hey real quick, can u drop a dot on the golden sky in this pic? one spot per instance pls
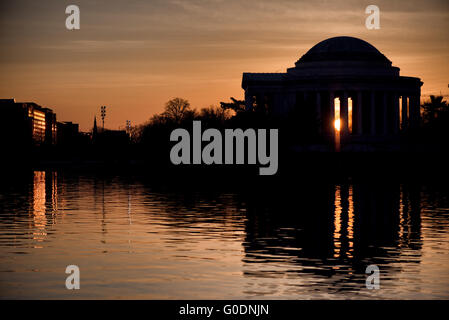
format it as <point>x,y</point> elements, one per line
<point>134,55</point>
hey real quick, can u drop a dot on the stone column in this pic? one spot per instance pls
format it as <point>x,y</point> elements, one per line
<point>385,113</point>
<point>418,109</point>
<point>359,114</point>
<point>404,113</point>
<point>418,104</point>
<point>260,101</point>
<point>344,113</point>
<point>411,112</point>
<point>396,123</point>
<point>277,107</point>
<point>291,101</point>
<point>305,97</point>
<point>318,112</point>
<point>373,113</point>
<point>414,111</point>
<point>249,100</point>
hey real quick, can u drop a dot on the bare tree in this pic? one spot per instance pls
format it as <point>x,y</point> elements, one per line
<point>176,109</point>
<point>214,113</point>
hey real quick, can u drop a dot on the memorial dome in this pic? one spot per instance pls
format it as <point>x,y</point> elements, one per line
<point>344,49</point>
<point>342,57</point>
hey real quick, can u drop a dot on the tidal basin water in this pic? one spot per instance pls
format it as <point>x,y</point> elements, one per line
<point>141,239</point>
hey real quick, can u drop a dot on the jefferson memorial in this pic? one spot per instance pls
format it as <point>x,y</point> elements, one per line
<point>350,87</point>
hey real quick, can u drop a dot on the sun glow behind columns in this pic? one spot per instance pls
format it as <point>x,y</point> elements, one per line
<point>337,121</point>
<point>337,124</point>
<point>350,115</point>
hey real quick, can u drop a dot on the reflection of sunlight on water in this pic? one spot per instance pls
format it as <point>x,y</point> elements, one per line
<point>404,219</point>
<point>39,205</point>
<point>340,215</point>
<point>350,223</point>
<point>402,211</point>
<point>54,194</point>
<point>44,187</point>
<point>337,221</point>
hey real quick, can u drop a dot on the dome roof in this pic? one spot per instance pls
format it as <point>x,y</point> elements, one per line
<point>344,49</point>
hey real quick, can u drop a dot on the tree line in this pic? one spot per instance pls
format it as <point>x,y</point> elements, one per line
<point>299,127</point>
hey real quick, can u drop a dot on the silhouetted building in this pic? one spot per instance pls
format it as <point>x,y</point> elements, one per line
<point>50,126</point>
<point>344,79</point>
<point>114,138</point>
<point>27,123</point>
<point>68,133</point>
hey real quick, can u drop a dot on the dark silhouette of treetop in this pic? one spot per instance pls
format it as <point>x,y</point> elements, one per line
<point>176,109</point>
<point>435,111</point>
<point>236,105</point>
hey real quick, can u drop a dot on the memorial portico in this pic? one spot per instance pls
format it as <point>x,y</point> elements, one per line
<point>345,79</point>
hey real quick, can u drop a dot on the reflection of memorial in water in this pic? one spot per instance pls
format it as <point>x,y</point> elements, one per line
<point>333,230</point>
<point>307,240</point>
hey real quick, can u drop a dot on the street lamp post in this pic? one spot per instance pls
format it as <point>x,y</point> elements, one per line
<point>128,127</point>
<point>103,114</point>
